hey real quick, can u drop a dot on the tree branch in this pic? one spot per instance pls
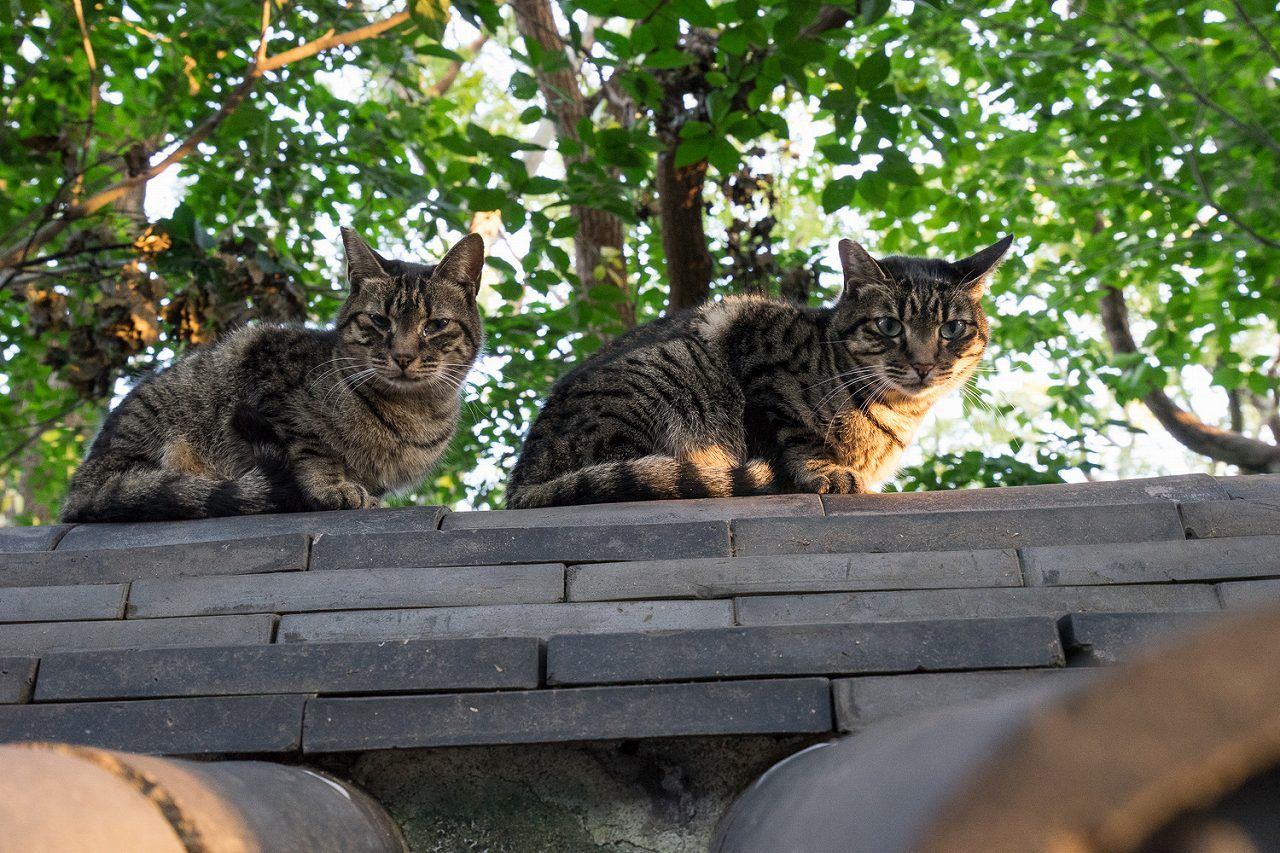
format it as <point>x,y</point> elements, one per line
<point>1188,85</point>
<point>598,245</point>
<point>17,253</point>
<point>1252,456</point>
<point>1253,27</point>
<point>93,96</point>
<point>446,81</point>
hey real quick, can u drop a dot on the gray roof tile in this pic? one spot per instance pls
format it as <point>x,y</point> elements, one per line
<point>353,589</point>
<point>859,702</point>
<point>27,539</point>
<point>779,706</point>
<point>1231,518</point>
<point>58,568</point>
<point>42,637</point>
<point>17,675</point>
<point>844,649</point>
<point>1146,562</point>
<point>523,545</point>
<point>418,666</point>
<point>1108,638</point>
<point>156,533</point>
<point>727,576</point>
<point>970,603</point>
<point>1186,487</point>
<point>640,512</point>
<point>1249,593</point>
<point>520,620</point>
<point>168,726</point>
<point>1255,487</point>
<point>52,603</point>
<point>958,530</point>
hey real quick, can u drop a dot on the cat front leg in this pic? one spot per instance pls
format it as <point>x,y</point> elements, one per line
<point>327,486</point>
<point>825,477</point>
<point>813,469</point>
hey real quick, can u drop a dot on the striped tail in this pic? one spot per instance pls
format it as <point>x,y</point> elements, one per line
<point>648,478</point>
<point>158,494</point>
<point>101,491</point>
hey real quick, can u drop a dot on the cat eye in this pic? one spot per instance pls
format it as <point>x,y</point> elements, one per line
<point>379,322</point>
<point>889,327</point>
<point>433,326</point>
<point>952,329</point>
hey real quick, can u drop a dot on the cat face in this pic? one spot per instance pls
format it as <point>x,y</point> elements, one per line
<point>410,327</point>
<point>914,325</point>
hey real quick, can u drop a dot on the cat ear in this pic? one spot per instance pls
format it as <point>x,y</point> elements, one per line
<point>858,265</point>
<point>362,262</point>
<point>464,263</point>
<point>976,269</point>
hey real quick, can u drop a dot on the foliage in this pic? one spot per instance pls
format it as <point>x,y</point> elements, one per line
<point>1126,145</point>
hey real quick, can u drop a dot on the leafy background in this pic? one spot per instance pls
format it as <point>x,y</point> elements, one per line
<point>173,169</point>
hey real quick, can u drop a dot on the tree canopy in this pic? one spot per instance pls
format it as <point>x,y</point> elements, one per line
<point>173,169</point>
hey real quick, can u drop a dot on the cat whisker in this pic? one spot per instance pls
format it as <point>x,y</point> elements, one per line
<point>868,369</point>
<point>330,372</point>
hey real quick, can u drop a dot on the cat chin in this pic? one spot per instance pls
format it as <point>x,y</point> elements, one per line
<point>917,392</point>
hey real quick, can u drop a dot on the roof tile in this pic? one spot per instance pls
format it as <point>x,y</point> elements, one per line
<point>17,675</point>
<point>155,533</point>
<point>293,592</point>
<point>640,512</point>
<point>42,637</point>
<point>844,649</point>
<point>859,702</point>
<point>1185,487</point>
<point>727,576</point>
<point>958,530</point>
<point>524,545</point>
<point>1146,562</point>
<point>1108,638</point>
<point>52,603</point>
<point>164,726</point>
<point>520,620</point>
<point>970,603</point>
<point>1231,518</point>
<point>779,706</point>
<point>418,666</point>
<point>56,568</point>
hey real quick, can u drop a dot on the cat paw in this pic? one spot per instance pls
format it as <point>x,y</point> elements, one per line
<point>347,496</point>
<point>823,478</point>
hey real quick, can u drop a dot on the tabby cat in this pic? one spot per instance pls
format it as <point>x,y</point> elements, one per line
<point>282,418</point>
<point>754,396</point>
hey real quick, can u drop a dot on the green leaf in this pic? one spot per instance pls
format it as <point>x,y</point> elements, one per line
<point>693,151</point>
<point>667,59</point>
<point>873,71</point>
<point>733,41</point>
<point>488,199</point>
<point>873,10</point>
<point>837,194</point>
<point>430,16</point>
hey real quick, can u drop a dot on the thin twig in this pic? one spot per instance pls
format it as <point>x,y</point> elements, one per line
<point>93,98</point>
<point>1262,38</point>
<point>51,229</point>
<point>38,430</point>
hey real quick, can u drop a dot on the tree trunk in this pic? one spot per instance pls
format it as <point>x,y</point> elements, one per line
<point>684,242</point>
<point>599,258</point>
<point>1249,454</point>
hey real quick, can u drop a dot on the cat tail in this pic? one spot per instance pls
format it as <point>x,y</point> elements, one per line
<point>645,479</point>
<point>101,491</point>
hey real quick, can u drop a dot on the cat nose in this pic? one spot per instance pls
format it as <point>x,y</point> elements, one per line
<point>404,359</point>
<point>922,370</point>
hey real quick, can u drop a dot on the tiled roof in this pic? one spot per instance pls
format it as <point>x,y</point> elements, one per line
<point>335,632</point>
